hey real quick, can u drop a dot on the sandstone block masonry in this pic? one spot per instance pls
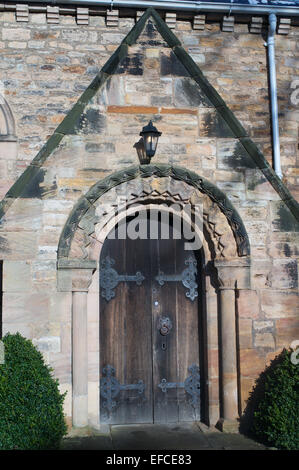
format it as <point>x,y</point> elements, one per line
<point>43,79</point>
<point>45,67</point>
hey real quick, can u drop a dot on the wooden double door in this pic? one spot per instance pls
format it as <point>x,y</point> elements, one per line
<point>149,332</point>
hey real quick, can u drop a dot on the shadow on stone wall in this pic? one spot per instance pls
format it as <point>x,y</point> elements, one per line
<point>256,395</point>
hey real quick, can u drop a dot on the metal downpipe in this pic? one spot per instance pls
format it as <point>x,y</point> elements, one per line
<point>273,94</point>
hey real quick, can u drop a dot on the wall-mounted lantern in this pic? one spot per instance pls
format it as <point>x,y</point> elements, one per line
<point>147,145</point>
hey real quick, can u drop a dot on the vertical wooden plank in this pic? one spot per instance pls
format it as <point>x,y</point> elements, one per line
<point>125,324</point>
<point>188,339</point>
<point>164,361</point>
<point>112,324</point>
<point>131,340</point>
<point>138,340</point>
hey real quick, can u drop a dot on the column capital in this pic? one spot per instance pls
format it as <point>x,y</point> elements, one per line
<point>75,275</point>
<point>233,274</point>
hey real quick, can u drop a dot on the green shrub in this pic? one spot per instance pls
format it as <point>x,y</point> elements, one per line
<point>276,415</point>
<point>31,412</point>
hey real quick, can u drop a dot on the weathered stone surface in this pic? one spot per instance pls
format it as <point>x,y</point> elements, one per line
<point>247,384</point>
<point>264,340</point>
<point>25,215</point>
<point>248,304</point>
<point>283,220</point>
<point>258,187</point>
<point>47,344</point>
<point>234,191</point>
<point>16,246</point>
<point>44,274</point>
<point>61,364</point>
<point>263,325</point>
<point>187,93</point>
<point>279,304</point>
<point>29,307</point>
<point>44,71</point>
<point>253,210</point>
<point>284,274</point>
<point>93,366</point>
<point>231,154</point>
<point>212,124</point>
<point>11,34</point>
<point>251,362</point>
<point>17,276</point>
<point>287,330</point>
<point>245,333</point>
<point>260,272</point>
<point>213,357</point>
<point>287,247</point>
<point>171,66</point>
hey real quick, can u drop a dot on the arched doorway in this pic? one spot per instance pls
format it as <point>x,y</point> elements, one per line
<point>226,269</point>
<point>151,323</point>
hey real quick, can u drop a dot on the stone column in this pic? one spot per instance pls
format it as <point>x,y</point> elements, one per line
<point>231,275</point>
<point>76,275</point>
<point>80,359</point>
<point>228,355</point>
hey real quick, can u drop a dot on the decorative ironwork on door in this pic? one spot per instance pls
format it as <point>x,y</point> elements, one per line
<point>187,277</point>
<point>191,385</point>
<point>164,327</point>
<point>109,278</point>
<point>110,387</point>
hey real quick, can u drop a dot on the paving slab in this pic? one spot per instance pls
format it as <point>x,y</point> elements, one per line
<point>159,437</point>
<point>183,436</point>
<point>96,442</point>
<point>225,441</point>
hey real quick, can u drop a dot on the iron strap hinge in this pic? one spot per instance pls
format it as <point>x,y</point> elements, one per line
<point>109,278</point>
<point>110,387</point>
<point>191,385</point>
<point>187,277</point>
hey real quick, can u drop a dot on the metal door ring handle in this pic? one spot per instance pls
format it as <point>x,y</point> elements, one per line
<point>164,330</point>
<point>164,325</point>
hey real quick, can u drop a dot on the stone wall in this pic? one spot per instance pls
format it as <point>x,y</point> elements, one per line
<point>45,67</point>
<point>45,73</point>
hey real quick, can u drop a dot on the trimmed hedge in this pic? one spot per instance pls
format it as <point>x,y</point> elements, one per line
<point>31,406</point>
<point>276,416</point>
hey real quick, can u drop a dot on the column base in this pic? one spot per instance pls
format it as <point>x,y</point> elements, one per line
<point>228,425</point>
<point>80,411</point>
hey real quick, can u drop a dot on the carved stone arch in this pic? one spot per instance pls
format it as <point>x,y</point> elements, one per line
<point>153,182</point>
<point>7,122</point>
<point>225,244</point>
<point>127,198</point>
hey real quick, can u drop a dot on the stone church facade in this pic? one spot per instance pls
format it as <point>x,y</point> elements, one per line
<point>76,92</point>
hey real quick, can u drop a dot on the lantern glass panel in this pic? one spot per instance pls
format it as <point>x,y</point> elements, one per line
<point>150,137</point>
